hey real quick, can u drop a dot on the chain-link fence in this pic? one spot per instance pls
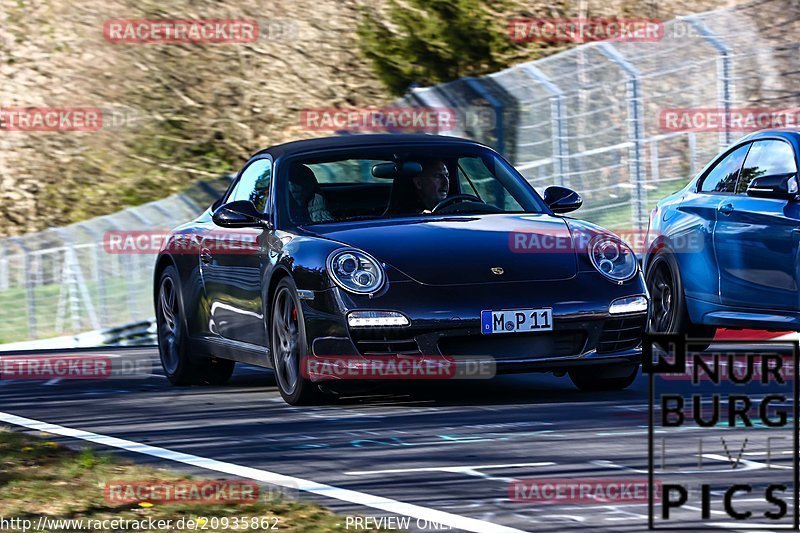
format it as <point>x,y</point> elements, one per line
<point>587,118</point>
<point>64,281</point>
<point>590,117</point>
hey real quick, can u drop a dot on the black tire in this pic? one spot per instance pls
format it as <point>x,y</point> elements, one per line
<point>288,346</point>
<point>181,367</point>
<point>668,313</point>
<point>604,378</point>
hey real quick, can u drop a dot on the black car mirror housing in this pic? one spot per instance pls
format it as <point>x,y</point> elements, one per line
<point>778,186</point>
<point>562,199</point>
<point>239,214</point>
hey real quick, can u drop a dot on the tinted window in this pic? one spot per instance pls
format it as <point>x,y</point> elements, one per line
<point>406,181</point>
<point>766,158</point>
<point>722,178</point>
<point>254,184</point>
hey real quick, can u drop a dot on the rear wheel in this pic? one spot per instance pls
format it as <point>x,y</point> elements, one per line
<point>180,367</point>
<point>668,303</point>
<point>289,347</point>
<point>603,378</point>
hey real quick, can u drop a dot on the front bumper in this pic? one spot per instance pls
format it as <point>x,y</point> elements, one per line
<point>445,321</point>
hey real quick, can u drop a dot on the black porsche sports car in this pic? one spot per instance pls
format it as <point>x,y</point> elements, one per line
<point>395,246</point>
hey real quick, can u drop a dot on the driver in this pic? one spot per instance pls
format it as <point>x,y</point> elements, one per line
<point>432,185</point>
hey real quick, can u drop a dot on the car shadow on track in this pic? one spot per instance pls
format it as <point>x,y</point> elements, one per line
<point>504,389</point>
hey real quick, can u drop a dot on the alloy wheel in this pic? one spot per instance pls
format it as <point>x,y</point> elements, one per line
<point>285,336</point>
<point>170,326</point>
<point>662,293</point>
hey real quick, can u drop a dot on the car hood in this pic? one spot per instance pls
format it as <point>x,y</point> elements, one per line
<point>465,249</point>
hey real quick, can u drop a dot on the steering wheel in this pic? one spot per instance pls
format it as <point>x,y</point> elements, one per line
<point>456,198</point>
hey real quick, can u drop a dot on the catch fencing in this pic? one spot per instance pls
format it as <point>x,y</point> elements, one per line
<point>63,281</point>
<point>591,118</point>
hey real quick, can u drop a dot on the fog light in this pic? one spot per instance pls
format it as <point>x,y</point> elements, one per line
<point>363,319</point>
<point>631,304</point>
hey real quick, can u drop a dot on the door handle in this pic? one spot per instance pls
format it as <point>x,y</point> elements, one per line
<point>726,209</point>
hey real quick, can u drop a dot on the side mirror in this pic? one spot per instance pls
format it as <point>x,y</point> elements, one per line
<point>562,199</point>
<point>239,214</point>
<point>780,186</point>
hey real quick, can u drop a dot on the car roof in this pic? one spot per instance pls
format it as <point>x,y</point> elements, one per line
<point>361,140</point>
<point>773,132</point>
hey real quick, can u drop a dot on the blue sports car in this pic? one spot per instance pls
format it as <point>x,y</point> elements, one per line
<point>723,251</point>
<point>381,246</point>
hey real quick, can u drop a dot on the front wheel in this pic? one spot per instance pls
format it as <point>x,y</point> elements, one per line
<point>668,312</point>
<point>289,347</point>
<point>613,378</point>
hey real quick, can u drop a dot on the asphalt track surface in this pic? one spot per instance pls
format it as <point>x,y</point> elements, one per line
<point>452,447</point>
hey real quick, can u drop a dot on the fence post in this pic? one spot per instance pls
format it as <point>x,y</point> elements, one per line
<point>655,171</point>
<point>132,301</point>
<point>724,80</point>
<point>497,107</point>
<point>30,298</point>
<point>99,272</point>
<point>635,135</point>
<point>558,127</point>
<point>430,99</point>
<point>4,281</point>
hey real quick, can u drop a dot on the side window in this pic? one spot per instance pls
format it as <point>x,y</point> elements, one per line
<point>254,184</point>
<point>476,178</point>
<point>722,178</point>
<point>766,158</point>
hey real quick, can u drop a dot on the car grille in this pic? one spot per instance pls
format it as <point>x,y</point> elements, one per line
<point>621,334</point>
<point>502,347</point>
<point>388,347</point>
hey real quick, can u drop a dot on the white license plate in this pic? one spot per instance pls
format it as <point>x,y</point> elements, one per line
<point>516,321</point>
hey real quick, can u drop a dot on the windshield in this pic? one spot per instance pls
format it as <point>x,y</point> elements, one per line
<point>423,182</point>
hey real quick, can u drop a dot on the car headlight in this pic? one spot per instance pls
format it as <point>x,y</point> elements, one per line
<point>613,258</point>
<point>355,271</point>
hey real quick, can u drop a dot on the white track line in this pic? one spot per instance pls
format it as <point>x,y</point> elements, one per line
<point>359,498</point>
<point>451,469</point>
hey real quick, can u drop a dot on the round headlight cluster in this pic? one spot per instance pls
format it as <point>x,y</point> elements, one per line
<point>355,271</point>
<point>613,258</point>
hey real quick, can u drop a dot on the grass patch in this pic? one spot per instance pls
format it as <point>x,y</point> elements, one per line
<point>42,478</point>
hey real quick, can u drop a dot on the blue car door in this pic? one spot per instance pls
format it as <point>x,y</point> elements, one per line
<point>756,239</point>
<point>691,229</point>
